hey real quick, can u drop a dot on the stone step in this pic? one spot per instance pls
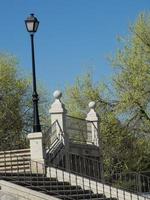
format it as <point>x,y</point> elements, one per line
<point>14,169</point>
<point>94,198</point>
<point>26,170</point>
<point>65,197</point>
<point>72,192</point>
<point>51,183</point>
<point>57,187</point>
<point>50,186</point>
<point>15,155</point>
<point>15,151</point>
<point>87,196</point>
<point>28,178</point>
<point>60,190</point>
<point>111,198</point>
<point>14,163</point>
<point>21,175</point>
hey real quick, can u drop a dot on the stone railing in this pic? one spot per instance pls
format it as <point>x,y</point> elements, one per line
<point>75,130</point>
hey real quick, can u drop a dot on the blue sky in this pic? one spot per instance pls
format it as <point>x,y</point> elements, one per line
<point>73,35</point>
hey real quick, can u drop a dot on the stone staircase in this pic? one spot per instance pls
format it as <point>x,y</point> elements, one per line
<point>16,168</point>
<point>56,181</point>
<point>65,162</point>
<point>51,186</point>
<point>15,160</point>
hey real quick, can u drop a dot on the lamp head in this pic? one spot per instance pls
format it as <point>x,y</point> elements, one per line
<point>32,23</point>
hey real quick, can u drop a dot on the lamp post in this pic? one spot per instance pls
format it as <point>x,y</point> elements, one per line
<point>32,25</point>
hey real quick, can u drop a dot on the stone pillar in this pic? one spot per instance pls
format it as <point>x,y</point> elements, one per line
<point>58,112</point>
<point>36,150</point>
<point>92,125</point>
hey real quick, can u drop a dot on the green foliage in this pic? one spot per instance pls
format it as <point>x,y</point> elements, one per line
<point>80,94</point>
<point>16,103</point>
<point>132,82</point>
<point>13,90</point>
<point>125,122</point>
<point>117,141</point>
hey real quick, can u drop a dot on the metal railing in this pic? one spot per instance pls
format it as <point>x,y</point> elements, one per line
<point>52,135</point>
<point>62,183</point>
<point>85,166</point>
<point>134,181</point>
<point>78,130</point>
<point>33,177</point>
<point>53,143</point>
<point>45,179</point>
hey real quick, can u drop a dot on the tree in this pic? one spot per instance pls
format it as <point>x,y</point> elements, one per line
<point>132,82</point>
<point>13,91</point>
<point>80,94</point>
<point>118,145</point>
<point>15,102</point>
<point>125,121</point>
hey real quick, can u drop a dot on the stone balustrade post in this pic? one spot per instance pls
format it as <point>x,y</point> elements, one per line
<point>57,112</point>
<point>37,152</point>
<point>93,134</point>
<point>92,125</point>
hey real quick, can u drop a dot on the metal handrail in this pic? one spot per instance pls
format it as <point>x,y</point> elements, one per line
<point>40,171</point>
<point>76,129</point>
<point>78,118</point>
<point>134,182</point>
<point>14,176</point>
<point>54,143</point>
<point>86,167</point>
<point>48,134</point>
<point>140,182</point>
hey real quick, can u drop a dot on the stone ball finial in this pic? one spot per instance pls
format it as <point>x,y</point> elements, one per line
<point>92,105</point>
<point>57,94</point>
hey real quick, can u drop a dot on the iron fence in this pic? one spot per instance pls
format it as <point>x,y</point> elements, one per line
<point>52,136</point>
<point>93,169</point>
<point>90,167</point>
<point>64,184</point>
<point>78,130</point>
<point>134,181</point>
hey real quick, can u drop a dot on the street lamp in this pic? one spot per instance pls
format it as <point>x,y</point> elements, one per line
<point>32,25</point>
